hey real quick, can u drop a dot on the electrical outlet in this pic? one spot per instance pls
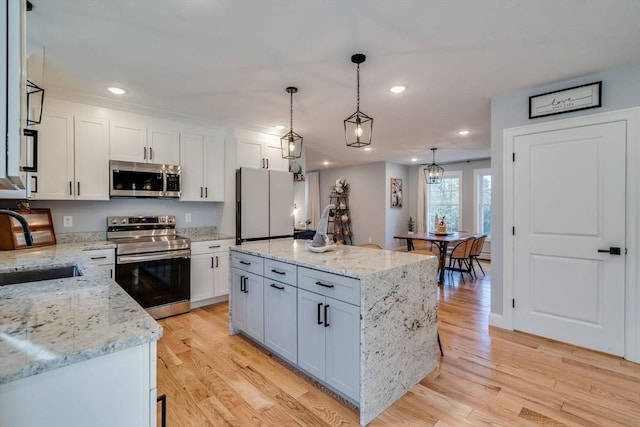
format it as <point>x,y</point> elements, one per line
<point>67,221</point>
<point>369,239</point>
<point>187,217</point>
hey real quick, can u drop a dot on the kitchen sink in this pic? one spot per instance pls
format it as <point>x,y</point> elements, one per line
<point>39,274</point>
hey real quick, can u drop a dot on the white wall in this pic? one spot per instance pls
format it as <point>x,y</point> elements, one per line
<point>620,89</point>
<point>396,218</point>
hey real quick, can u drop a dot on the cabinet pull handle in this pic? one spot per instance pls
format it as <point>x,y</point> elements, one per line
<point>98,257</point>
<point>201,192</point>
<point>145,152</point>
<point>246,288</point>
<point>273,270</point>
<point>216,261</point>
<point>319,319</point>
<point>324,285</point>
<point>267,163</point>
<point>273,285</point>
<point>206,192</point>
<point>163,408</point>
<point>245,263</point>
<point>78,188</point>
<point>241,283</point>
<point>111,273</point>
<point>214,246</point>
<point>70,188</point>
<point>326,315</point>
<point>211,262</point>
<point>150,153</point>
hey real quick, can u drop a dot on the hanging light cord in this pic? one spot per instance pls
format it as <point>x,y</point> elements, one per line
<point>291,105</point>
<point>358,84</point>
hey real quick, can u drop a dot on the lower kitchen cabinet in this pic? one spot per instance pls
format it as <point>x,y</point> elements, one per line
<point>329,341</point>
<point>209,271</point>
<point>117,389</point>
<point>105,259</point>
<point>247,303</point>
<point>280,319</point>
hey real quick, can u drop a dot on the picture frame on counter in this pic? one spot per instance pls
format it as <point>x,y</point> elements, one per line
<point>563,101</point>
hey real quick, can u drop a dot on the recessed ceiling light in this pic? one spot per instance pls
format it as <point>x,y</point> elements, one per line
<point>117,90</point>
<point>279,127</point>
<point>325,163</point>
<point>367,148</point>
<point>463,132</point>
<point>397,89</point>
<point>414,159</point>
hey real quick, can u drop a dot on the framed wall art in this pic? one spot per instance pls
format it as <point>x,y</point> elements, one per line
<point>396,192</point>
<point>566,100</point>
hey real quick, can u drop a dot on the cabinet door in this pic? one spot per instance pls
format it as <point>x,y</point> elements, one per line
<point>280,323</point>
<point>164,147</point>
<point>238,301</point>
<point>311,331</point>
<point>221,273</point>
<point>91,158</point>
<point>214,170</point>
<point>255,307</point>
<point>54,178</point>
<point>343,348</point>
<point>191,159</point>
<point>273,155</point>
<point>128,142</point>
<point>202,277</point>
<point>109,269</point>
<point>249,154</point>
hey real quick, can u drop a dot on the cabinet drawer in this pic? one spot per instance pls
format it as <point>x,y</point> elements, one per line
<point>102,256</point>
<point>342,288</point>
<point>280,271</point>
<point>211,246</point>
<point>246,262</point>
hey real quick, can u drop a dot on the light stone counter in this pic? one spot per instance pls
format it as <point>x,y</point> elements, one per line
<point>50,324</point>
<point>398,308</point>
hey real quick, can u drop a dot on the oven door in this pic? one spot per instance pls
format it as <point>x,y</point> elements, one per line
<point>155,279</point>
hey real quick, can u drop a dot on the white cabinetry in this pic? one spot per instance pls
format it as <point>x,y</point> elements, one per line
<point>74,158</point>
<point>202,160</point>
<point>117,389</point>
<point>209,271</point>
<point>329,330</point>
<point>133,141</point>
<point>247,299</point>
<point>260,154</point>
<point>106,259</point>
<point>280,309</point>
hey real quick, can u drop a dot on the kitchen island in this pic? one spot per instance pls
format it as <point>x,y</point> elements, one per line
<point>78,349</point>
<point>371,315</point>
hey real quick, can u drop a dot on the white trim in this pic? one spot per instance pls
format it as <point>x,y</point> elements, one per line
<point>632,286</point>
<point>497,320</point>
<point>476,192</point>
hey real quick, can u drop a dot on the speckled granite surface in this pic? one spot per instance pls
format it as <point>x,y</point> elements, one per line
<point>398,308</point>
<point>201,234</point>
<point>54,323</point>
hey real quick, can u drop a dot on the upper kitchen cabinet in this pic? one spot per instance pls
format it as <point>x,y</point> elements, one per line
<point>12,92</point>
<point>74,153</point>
<point>257,149</point>
<point>135,142</point>
<point>202,161</point>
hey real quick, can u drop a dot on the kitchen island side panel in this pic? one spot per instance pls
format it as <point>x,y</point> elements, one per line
<point>399,309</point>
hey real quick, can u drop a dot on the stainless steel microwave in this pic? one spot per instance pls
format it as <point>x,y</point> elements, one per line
<point>129,179</point>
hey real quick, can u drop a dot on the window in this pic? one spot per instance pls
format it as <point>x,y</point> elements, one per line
<point>444,199</point>
<point>482,199</point>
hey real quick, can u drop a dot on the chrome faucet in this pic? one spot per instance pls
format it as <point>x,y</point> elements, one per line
<point>25,225</point>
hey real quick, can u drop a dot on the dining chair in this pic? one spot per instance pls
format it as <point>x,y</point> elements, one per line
<point>370,245</point>
<point>428,252</point>
<point>460,253</point>
<point>476,250</point>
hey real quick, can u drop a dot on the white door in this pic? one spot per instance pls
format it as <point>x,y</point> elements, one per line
<point>249,154</point>
<point>191,159</point>
<point>569,203</point>
<point>164,147</point>
<point>343,347</point>
<point>55,176</point>
<point>214,170</point>
<point>311,333</point>
<point>91,158</point>
<point>128,142</point>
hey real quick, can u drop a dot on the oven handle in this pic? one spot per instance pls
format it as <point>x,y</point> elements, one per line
<point>128,259</point>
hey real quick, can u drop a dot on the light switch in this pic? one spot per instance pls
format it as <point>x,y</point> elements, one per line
<point>187,217</point>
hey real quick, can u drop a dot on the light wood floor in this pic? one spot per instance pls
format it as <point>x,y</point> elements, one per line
<point>488,376</point>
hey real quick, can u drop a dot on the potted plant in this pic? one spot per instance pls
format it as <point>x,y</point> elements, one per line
<point>410,225</point>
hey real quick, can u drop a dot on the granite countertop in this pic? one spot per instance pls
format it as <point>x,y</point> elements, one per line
<point>50,324</point>
<point>345,260</point>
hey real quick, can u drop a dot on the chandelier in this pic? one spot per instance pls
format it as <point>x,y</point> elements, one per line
<point>358,127</point>
<point>291,142</point>
<point>433,172</point>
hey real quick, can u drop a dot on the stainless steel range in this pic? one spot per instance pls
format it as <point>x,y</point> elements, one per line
<point>152,262</point>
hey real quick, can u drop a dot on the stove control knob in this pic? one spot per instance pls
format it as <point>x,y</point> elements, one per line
<point>123,221</point>
<point>163,219</point>
<point>172,219</point>
<point>114,221</point>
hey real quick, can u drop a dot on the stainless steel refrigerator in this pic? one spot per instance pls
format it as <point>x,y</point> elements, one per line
<point>264,204</point>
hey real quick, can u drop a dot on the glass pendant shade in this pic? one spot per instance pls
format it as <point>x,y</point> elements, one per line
<point>358,127</point>
<point>433,173</point>
<point>291,142</point>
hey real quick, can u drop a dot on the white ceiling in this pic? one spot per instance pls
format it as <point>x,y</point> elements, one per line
<point>230,62</point>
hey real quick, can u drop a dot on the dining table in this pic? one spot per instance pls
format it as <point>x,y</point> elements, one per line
<point>441,240</point>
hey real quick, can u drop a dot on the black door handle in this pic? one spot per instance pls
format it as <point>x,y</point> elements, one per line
<point>612,250</point>
<point>319,319</point>
<point>326,315</point>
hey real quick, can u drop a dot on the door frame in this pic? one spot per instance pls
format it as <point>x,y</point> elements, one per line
<point>632,236</point>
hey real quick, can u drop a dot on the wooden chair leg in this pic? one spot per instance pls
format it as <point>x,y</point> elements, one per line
<point>440,345</point>
<point>480,265</point>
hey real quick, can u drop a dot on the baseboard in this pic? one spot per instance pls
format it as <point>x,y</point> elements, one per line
<point>209,301</point>
<point>497,320</point>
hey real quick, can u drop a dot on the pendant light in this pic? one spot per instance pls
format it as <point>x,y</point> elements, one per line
<point>291,142</point>
<point>358,127</point>
<point>433,173</point>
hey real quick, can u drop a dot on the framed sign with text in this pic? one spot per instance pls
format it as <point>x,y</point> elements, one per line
<point>563,101</point>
